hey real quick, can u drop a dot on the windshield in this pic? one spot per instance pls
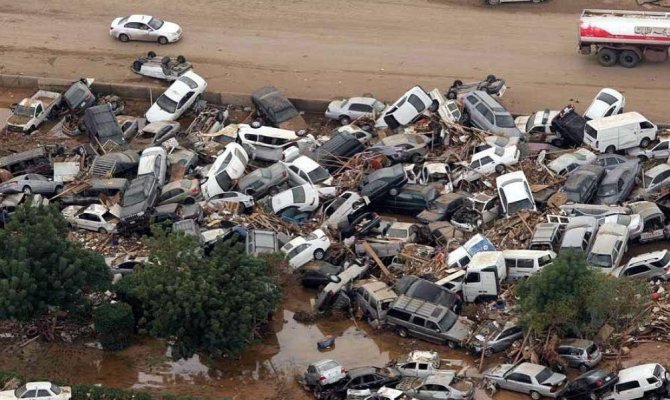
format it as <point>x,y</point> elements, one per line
<point>518,206</point>
<point>24,111</point>
<point>448,321</point>
<point>591,132</point>
<point>647,181</point>
<point>600,260</point>
<point>505,121</point>
<point>167,104</point>
<point>663,262</point>
<point>543,375</point>
<point>530,122</point>
<point>378,106</point>
<point>319,174</point>
<point>416,102</point>
<point>607,98</point>
<point>607,190</point>
<point>311,237</point>
<point>132,197</point>
<point>155,23</point>
<point>298,194</point>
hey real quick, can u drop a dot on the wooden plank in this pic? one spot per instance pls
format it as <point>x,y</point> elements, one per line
<point>371,252</point>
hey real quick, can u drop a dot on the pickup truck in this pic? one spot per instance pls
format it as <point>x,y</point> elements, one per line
<point>420,364</point>
<point>31,112</point>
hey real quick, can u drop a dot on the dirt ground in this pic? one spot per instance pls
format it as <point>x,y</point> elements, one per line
<point>323,49</point>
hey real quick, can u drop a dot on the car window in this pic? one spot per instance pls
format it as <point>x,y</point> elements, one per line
<point>662,146</point>
<point>43,393</point>
<point>361,108</point>
<point>28,394</point>
<point>471,99</point>
<point>188,82</point>
<point>486,113</point>
<point>517,377</point>
<point>486,160</point>
<point>510,263</point>
<point>410,365</point>
<point>132,25</point>
<point>646,125</point>
<point>185,99</point>
<point>622,387</point>
<point>419,321</point>
<point>525,263</point>
<point>424,366</point>
<point>472,277</point>
<point>415,101</point>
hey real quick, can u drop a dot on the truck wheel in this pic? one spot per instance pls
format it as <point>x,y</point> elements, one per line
<point>491,78</point>
<point>500,169</point>
<point>137,65</point>
<point>433,106</point>
<point>162,40</point>
<point>457,83</point>
<point>606,57</point>
<point>644,143</point>
<point>452,94</point>
<point>629,59</point>
<point>610,150</point>
<point>402,332</point>
<point>124,38</point>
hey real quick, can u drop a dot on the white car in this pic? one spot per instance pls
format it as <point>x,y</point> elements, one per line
<point>304,198</point>
<point>633,222</point>
<point>228,167</point>
<point>538,122</point>
<point>145,28</point>
<point>346,204</point>
<point>265,142</point>
<point>178,98</point>
<point>153,162</point>
<point>655,264</point>
<point>38,391</point>
<point>514,192</point>
<point>304,170</point>
<point>607,102</point>
<point>407,109</point>
<point>323,372</point>
<point>95,217</point>
<point>402,231</point>
<point>567,163</point>
<point>302,250</point>
<point>347,110</point>
<point>496,2</point>
<point>494,159</point>
<point>647,381</point>
<point>609,247</point>
<point>660,150</point>
<point>231,197</point>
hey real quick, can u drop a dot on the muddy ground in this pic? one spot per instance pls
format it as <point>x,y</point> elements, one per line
<point>323,49</point>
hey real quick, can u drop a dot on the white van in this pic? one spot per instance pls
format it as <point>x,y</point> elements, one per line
<point>524,263</point>
<point>266,143</point>
<point>483,276</point>
<point>619,132</point>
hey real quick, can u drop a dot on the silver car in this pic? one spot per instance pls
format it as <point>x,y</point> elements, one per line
<point>536,380</point>
<point>145,28</point>
<point>403,147</point>
<point>580,353</point>
<point>347,110</point>
<point>263,181</point>
<point>484,112</point>
<point>31,183</point>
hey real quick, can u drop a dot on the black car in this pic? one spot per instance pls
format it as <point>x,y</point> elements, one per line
<point>361,379</point>
<point>276,109</point>
<point>442,208</point>
<point>570,125</point>
<point>382,182</point>
<point>411,199</point>
<point>589,386</point>
<point>582,184</point>
<point>358,224</point>
<point>338,149</point>
<point>319,273</point>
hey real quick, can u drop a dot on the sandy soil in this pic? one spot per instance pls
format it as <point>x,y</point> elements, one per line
<point>322,49</point>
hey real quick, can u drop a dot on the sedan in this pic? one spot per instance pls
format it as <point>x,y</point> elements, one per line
<point>322,373</point>
<point>403,148</point>
<point>304,249</point>
<point>539,122</point>
<point>178,98</point>
<point>493,337</point>
<point>264,180</point>
<point>31,183</point>
<point>591,385</point>
<point>347,110</point>
<point>145,28</point>
<point>536,380</point>
<point>156,133</point>
<point>361,379</point>
<point>583,183</point>
<point>618,184</point>
<point>38,391</point>
<point>607,102</point>
<point>660,150</point>
<point>184,191</point>
<point>95,217</point>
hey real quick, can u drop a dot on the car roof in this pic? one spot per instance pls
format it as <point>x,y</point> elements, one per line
<point>380,290</point>
<point>484,259</point>
<point>632,373</point>
<point>488,100</point>
<point>98,209</point>
<point>139,18</point>
<point>580,343</point>
<point>305,163</point>
<point>439,379</point>
<point>657,170</point>
<point>43,385</point>
<point>355,372</point>
<point>515,191</point>
<point>616,120</point>
<point>179,88</point>
<point>529,368</point>
<point>362,100</point>
<point>267,130</point>
<point>653,255</point>
<point>527,253</point>
<point>321,363</point>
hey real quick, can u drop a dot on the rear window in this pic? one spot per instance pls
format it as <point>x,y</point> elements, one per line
<point>188,81</point>
<point>591,132</point>
<point>543,375</point>
<point>298,194</point>
<point>607,98</point>
<point>663,261</point>
<point>416,102</point>
<point>329,365</point>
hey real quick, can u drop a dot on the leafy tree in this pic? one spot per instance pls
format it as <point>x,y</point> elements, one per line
<point>40,268</point>
<point>574,298</point>
<point>114,325</point>
<point>212,303</point>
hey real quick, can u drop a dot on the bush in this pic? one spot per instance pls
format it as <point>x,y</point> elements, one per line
<point>114,324</point>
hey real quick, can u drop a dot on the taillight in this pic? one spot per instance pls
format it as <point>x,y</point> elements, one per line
<point>588,356</point>
<point>343,370</point>
<point>322,378</point>
<point>195,190</point>
<point>599,383</point>
<point>553,389</point>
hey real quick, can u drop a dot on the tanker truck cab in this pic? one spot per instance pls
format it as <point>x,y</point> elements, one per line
<point>483,276</point>
<point>619,132</point>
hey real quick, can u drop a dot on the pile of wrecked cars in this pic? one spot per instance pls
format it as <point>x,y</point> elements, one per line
<point>393,213</point>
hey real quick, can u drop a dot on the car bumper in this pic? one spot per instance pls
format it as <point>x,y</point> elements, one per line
<point>176,37</point>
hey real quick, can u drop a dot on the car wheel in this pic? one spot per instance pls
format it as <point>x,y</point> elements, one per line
<point>274,191</point>
<point>583,368</point>
<point>644,143</point>
<point>137,65</point>
<point>606,57</point>
<point>59,189</point>
<point>319,254</point>
<point>457,83</point>
<point>557,142</point>
<point>451,345</point>
<point>124,38</point>
<point>643,158</point>
<point>189,201</point>
<point>27,190</point>
<point>629,59</point>
<point>344,120</point>
<point>416,158</point>
<point>256,124</point>
<point>402,332</point>
<point>162,40</point>
<point>433,106</point>
<point>610,150</point>
<point>500,169</point>
<point>393,192</point>
<point>151,54</point>
<point>535,395</point>
<point>181,59</point>
<point>491,78</point>
<point>452,94</point>
<point>102,230</point>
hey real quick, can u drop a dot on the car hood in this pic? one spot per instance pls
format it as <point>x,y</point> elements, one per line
<point>335,105</point>
<point>71,211</point>
<point>156,113</point>
<point>132,210</point>
<point>18,120</point>
<point>636,151</point>
<point>169,27</point>
<point>596,110</point>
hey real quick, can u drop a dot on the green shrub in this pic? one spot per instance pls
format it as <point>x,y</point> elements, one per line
<point>114,325</point>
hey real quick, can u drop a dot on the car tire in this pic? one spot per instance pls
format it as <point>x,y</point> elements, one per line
<point>256,124</point>
<point>583,368</point>
<point>491,78</point>
<point>102,230</point>
<point>557,142</point>
<point>644,143</point>
<point>393,192</point>
<point>610,150</point>
<point>500,169</point>
<point>457,83</point>
<point>124,38</point>
<point>27,190</point>
<point>165,61</point>
<point>535,395</point>
<point>189,201</point>
<point>162,40</point>
<point>629,59</point>
<point>319,254</point>
<point>606,57</point>
<point>137,65</point>
<point>416,158</point>
<point>402,332</point>
<point>433,106</point>
<point>643,158</point>
<point>181,59</point>
<point>59,189</point>
<point>273,191</point>
<point>452,345</point>
<point>452,94</point>
<point>344,120</point>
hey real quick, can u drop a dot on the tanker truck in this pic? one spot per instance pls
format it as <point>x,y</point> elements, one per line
<point>626,37</point>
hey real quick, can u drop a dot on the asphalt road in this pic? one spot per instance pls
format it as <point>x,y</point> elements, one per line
<point>324,48</point>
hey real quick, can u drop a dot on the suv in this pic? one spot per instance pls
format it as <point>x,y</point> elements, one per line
<point>485,113</point>
<point>374,298</point>
<point>580,353</point>
<point>648,381</point>
<point>652,265</point>
<point>547,236</point>
<point>411,199</point>
<point>428,321</point>
<point>609,247</point>
<point>141,195</point>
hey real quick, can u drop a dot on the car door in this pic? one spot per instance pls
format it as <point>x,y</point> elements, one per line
<point>661,150</point>
<point>185,102</point>
<point>359,110</point>
<point>132,29</point>
<point>87,221</point>
<point>146,33</point>
<point>304,255</point>
<point>487,166</point>
<point>519,382</point>
<point>418,328</point>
